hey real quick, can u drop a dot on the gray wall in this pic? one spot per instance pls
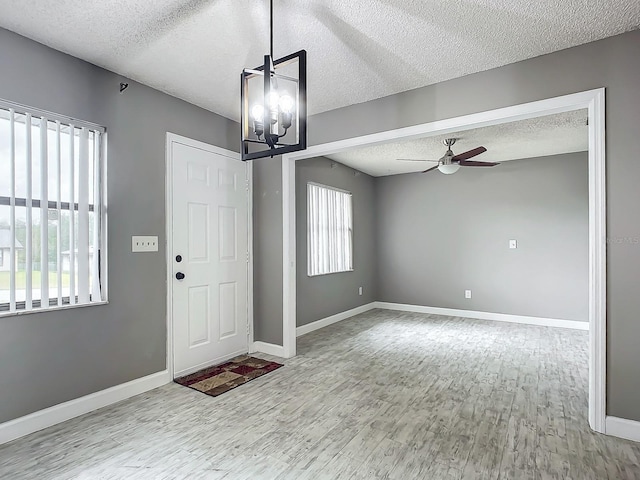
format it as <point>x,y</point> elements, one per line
<point>613,63</point>
<point>325,295</point>
<point>267,250</point>
<point>439,235</point>
<point>49,358</point>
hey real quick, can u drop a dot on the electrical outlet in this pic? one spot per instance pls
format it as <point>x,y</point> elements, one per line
<point>144,243</point>
<point>467,294</point>
<point>360,291</point>
<point>513,244</point>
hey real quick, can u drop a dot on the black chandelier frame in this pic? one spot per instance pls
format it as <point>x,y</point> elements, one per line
<point>273,141</point>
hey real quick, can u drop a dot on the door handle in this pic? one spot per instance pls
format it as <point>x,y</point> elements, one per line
<point>180,275</point>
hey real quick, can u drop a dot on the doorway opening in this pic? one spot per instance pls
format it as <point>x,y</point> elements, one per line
<point>594,102</point>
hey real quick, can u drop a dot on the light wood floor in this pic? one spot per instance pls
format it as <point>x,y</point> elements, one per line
<point>383,395</point>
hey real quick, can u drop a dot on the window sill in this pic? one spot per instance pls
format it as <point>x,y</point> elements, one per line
<point>330,273</point>
<point>51,309</point>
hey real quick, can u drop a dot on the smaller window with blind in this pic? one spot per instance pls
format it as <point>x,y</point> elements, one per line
<point>329,230</point>
<point>51,224</point>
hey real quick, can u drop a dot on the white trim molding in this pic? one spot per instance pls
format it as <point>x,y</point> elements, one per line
<point>594,101</point>
<point>338,317</point>
<point>74,408</point>
<point>497,317</point>
<point>250,254</point>
<point>623,428</point>
<point>289,284</point>
<point>597,263</point>
<point>269,349</point>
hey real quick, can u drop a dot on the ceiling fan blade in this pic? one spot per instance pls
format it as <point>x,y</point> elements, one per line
<point>469,154</point>
<point>432,168</point>
<point>471,163</point>
<point>414,160</point>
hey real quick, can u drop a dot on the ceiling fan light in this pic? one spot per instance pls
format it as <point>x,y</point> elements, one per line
<point>449,169</point>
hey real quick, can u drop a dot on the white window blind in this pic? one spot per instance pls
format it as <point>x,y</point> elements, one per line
<point>329,230</point>
<point>50,210</point>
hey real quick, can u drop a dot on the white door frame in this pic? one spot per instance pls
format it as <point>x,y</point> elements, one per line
<point>174,138</point>
<point>594,101</point>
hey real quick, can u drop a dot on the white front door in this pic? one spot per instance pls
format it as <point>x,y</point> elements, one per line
<point>208,257</point>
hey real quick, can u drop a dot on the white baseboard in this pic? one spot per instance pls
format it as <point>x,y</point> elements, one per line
<point>74,408</point>
<point>623,428</point>
<point>500,317</point>
<point>338,317</point>
<point>269,349</point>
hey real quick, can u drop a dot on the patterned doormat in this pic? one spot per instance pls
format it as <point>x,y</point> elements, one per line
<point>219,379</point>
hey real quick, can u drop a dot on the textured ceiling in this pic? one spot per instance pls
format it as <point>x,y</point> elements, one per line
<point>539,137</point>
<point>358,49</point>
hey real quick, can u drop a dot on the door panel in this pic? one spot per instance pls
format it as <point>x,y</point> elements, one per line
<point>210,233</point>
<point>228,309</point>
<point>198,231</point>
<point>227,231</point>
<point>198,315</point>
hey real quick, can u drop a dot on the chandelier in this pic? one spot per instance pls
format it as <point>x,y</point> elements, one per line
<point>274,104</point>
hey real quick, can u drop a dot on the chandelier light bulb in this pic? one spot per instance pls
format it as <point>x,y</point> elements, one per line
<point>257,112</point>
<point>286,104</point>
<point>273,99</point>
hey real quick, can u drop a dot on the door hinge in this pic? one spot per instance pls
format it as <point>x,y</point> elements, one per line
<point>247,184</point>
<point>248,258</point>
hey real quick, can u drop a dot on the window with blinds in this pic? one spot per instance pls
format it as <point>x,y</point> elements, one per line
<point>50,210</point>
<point>329,230</point>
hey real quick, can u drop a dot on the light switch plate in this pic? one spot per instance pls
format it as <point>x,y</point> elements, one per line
<point>141,243</point>
<point>513,244</point>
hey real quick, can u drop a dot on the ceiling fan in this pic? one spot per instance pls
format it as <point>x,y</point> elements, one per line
<point>451,163</point>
